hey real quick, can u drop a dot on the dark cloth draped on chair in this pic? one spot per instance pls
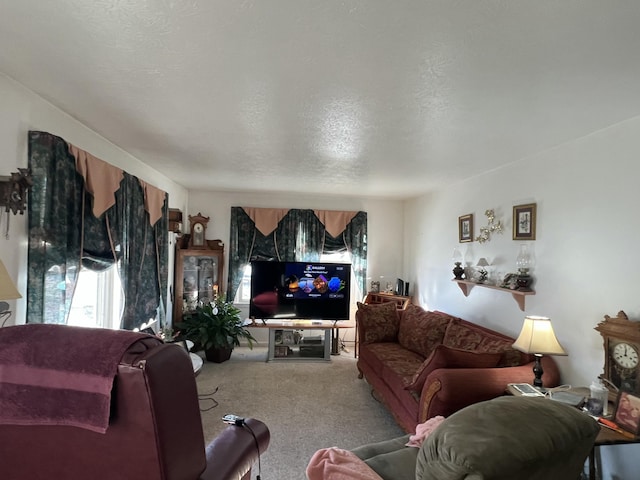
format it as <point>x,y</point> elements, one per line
<point>295,235</point>
<point>72,225</point>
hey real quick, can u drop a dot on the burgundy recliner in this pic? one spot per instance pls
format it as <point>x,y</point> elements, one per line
<point>154,430</point>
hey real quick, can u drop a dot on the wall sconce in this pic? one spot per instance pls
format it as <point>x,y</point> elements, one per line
<point>13,191</point>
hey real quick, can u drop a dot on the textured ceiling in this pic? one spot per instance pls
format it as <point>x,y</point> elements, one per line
<point>365,97</point>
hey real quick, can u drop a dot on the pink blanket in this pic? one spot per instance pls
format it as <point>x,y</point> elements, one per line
<point>337,464</point>
<point>60,375</point>
<point>423,430</point>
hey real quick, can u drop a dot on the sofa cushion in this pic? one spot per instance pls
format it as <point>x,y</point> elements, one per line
<point>377,322</point>
<point>462,335</point>
<point>447,357</point>
<point>420,330</point>
<point>382,354</point>
<point>510,356</point>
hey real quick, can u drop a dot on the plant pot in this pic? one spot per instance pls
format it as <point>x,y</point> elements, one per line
<point>218,355</point>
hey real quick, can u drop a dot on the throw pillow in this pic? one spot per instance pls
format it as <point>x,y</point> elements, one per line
<point>447,357</point>
<point>462,335</point>
<point>422,330</point>
<point>377,322</point>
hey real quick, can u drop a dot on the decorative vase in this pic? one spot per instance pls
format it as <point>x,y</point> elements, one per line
<point>458,271</point>
<point>218,355</point>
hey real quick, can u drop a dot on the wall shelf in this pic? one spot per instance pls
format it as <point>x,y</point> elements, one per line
<point>518,295</point>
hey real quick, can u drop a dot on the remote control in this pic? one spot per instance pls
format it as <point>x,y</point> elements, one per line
<point>526,390</point>
<point>233,419</point>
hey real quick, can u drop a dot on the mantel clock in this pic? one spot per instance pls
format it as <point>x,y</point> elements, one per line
<point>198,225</point>
<point>621,338</point>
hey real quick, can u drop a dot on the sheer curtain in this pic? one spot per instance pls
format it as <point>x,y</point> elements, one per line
<point>295,235</point>
<point>84,212</point>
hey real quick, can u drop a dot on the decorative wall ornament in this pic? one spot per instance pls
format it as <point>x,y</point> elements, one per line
<point>492,227</point>
<point>13,191</point>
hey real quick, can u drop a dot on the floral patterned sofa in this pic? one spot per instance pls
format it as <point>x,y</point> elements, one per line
<point>422,363</point>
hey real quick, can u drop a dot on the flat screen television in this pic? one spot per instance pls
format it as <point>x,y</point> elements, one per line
<point>300,290</point>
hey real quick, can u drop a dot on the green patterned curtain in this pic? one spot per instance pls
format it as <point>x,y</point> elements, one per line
<point>241,243</point>
<point>355,239</point>
<point>299,236</point>
<point>56,202</point>
<point>64,235</point>
<point>143,254</point>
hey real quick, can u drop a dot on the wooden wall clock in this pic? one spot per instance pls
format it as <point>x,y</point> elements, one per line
<point>198,225</point>
<point>621,338</point>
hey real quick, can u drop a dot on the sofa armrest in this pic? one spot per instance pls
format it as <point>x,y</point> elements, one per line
<point>232,453</point>
<point>448,390</point>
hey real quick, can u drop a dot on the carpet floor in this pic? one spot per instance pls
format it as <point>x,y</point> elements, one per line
<point>306,405</point>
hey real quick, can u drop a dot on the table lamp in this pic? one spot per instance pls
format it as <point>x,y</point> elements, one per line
<point>482,270</point>
<point>8,291</point>
<point>537,337</point>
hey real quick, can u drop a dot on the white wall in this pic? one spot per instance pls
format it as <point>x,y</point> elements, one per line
<point>22,111</point>
<point>586,248</point>
<point>385,224</point>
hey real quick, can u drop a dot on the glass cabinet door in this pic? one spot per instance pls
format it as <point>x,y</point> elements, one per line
<point>198,278</point>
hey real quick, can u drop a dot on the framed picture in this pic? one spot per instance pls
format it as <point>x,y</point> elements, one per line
<point>627,415</point>
<point>524,222</point>
<point>287,337</point>
<point>465,228</point>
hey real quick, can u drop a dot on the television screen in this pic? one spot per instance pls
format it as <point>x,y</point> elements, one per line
<point>300,290</point>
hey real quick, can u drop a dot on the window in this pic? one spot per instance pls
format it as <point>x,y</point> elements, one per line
<point>243,294</point>
<point>98,300</point>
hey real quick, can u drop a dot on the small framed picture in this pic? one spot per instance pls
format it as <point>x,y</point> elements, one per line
<point>465,228</point>
<point>627,414</point>
<point>287,337</point>
<point>524,222</point>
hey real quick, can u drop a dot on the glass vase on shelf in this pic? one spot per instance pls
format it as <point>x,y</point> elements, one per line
<point>524,263</point>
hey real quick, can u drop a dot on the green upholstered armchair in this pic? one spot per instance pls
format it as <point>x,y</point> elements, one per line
<point>500,439</point>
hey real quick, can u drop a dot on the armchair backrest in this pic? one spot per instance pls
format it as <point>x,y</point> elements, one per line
<point>154,430</point>
<point>506,438</point>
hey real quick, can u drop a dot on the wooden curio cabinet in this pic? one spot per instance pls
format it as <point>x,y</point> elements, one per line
<point>198,275</point>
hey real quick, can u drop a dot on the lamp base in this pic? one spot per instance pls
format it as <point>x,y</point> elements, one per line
<point>524,281</point>
<point>458,271</point>
<point>537,371</point>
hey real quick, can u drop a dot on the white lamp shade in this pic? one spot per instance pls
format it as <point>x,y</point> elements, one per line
<point>537,336</point>
<point>483,262</point>
<point>8,290</point>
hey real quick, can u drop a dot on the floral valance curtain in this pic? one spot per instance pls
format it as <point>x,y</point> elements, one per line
<point>295,235</point>
<point>84,212</point>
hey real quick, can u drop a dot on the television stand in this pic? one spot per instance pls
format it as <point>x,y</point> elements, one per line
<point>303,340</point>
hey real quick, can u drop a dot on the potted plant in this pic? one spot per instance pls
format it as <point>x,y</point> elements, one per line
<point>215,327</point>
